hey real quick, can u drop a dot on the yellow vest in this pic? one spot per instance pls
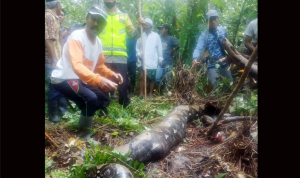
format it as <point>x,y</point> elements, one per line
<point>113,37</point>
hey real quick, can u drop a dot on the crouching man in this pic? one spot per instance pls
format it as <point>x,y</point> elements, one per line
<point>80,74</point>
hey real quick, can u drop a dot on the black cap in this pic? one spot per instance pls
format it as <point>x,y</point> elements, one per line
<point>166,26</point>
<point>99,10</point>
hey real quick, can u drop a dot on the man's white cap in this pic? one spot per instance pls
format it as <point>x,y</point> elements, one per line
<point>149,21</point>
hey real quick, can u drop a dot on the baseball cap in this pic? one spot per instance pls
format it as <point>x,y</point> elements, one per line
<point>166,26</point>
<point>149,21</point>
<point>211,13</point>
<point>99,10</point>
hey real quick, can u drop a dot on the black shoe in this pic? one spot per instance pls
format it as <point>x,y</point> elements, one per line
<point>62,106</point>
<point>52,106</point>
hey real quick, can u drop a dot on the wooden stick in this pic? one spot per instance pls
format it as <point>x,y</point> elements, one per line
<point>144,67</point>
<point>236,89</point>
<point>50,139</point>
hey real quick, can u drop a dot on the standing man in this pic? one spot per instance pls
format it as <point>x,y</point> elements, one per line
<point>169,45</point>
<point>113,39</point>
<point>80,73</point>
<point>211,40</point>
<point>153,56</point>
<point>53,47</point>
<point>251,36</point>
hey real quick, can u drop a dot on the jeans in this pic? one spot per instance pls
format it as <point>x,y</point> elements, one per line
<point>213,73</point>
<point>160,71</point>
<point>88,98</point>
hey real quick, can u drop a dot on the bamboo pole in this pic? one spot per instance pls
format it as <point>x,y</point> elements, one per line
<point>144,67</point>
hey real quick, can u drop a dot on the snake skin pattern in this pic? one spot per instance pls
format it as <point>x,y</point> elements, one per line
<point>157,142</point>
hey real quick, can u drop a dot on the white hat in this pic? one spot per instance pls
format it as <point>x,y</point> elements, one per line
<point>149,21</point>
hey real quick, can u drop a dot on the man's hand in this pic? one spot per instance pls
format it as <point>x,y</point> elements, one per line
<point>141,21</point>
<point>195,63</point>
<point>160,63</point>
<point>118,77</point>
<point>107,85</point>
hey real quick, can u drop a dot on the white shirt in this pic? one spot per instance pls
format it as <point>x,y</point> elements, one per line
<point>251,30</point>
<point>153,50</point>
<point>81,59</point>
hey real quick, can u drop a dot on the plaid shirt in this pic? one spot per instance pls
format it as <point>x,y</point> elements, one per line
<point>52,32</point>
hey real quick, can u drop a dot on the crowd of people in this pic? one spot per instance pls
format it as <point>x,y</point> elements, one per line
<point>88,62</point>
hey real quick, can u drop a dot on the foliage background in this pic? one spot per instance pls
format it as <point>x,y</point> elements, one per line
<point>186,17</point>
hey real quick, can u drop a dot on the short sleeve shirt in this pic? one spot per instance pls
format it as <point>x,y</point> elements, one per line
<point>167,46</point>
<point>52,32</point>
<point>251,30</point>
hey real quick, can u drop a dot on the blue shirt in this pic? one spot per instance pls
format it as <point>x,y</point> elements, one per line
<point>131,51</point>
<point>212,46</point>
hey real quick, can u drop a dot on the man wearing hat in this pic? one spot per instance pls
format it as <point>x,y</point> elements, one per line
<point>53,47</point>
<point>80,74</point>
<point>211,40</point>
<point>113,38</point>
<point>169,45</point>
<point>153,56</point>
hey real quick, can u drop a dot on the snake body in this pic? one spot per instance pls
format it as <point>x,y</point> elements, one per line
<point>157,142</point>
<point>151,145</point>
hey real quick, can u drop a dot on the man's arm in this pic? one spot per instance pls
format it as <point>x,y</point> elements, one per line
<point>132,33</point>
<point>248,37</point>
<point>199,48</point>
<point>50,37</point>
<point>102,69</point>
<point>248,43</point>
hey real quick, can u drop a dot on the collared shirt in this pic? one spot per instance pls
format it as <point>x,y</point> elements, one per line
<point>131,32</point>
<point>52,32</point>
<point>153,50</point>
<point>212,46</point>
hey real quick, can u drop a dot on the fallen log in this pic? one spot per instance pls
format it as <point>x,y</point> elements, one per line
<point>235,57</point>
<point>157,142</point>
<point>206,120</point>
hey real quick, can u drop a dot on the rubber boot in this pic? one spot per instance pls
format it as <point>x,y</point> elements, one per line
<point>62,106</point>
<point>52,112</point>
<point>85,126</point>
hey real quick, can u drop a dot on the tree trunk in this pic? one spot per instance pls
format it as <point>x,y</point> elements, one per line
<point>239,22</point>
<point>235,57</point>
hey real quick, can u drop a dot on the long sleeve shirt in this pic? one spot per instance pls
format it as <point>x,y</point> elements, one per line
<point>81,59</point>
<point>153,50</point>
<point>212,46</point>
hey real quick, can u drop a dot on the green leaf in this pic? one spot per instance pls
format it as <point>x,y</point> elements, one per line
<point>48,164</point>
<point>141,166</point>
<point>135,165</point>
<point>131,163</point>
<point>221,175</point>
<point>114,133</point>
<point>88,166</point>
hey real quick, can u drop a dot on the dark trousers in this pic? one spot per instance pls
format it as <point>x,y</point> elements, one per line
<point>131,67</point>
<point>88,98</point>
<point>53,94</point>
<point>122,89</point>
